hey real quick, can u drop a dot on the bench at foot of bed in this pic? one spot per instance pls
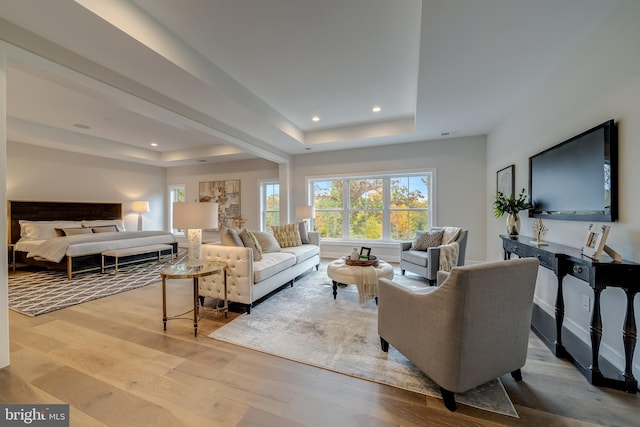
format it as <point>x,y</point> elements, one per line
<point>155,250</point>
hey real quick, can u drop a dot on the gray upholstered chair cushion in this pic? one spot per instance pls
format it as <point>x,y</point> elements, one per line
<point>426,263</point>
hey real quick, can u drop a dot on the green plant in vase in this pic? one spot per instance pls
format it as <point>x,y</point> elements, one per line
<point>511,205</point>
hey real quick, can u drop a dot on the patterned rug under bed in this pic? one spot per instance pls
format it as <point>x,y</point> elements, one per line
<point>37,292</point>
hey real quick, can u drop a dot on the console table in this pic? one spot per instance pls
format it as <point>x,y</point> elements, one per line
<point>565,260</point>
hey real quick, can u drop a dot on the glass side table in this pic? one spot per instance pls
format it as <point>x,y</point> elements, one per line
<point>183,271</point>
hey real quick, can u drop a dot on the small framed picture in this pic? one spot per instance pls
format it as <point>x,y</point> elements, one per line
<point>595,241</point>
<point>505,180</point>
<point>365,252</point>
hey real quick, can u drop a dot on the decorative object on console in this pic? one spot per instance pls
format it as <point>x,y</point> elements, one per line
<point>511,205</point>
<point>354,254</point>
<point>595,243</point>
<point>226,194</point>
<point>505,180</point>
<point>140,207</point>
<point>194,217</point>
<point>539,229</point>
<point>239,221</point>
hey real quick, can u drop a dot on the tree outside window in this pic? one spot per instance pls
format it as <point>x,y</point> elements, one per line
<point>372,208</point>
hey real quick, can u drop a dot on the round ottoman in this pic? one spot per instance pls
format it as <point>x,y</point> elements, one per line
<point>365,278</point>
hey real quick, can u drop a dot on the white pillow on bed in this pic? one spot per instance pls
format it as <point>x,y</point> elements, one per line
<point>101,222</point>
<point>43,230</point>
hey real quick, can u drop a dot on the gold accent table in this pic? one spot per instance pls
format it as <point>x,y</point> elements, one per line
<point>184,271</point>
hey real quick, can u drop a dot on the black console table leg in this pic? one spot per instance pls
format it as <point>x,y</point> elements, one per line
<point>596,338</point>
<point>560,350</point>
<point>629,337</point>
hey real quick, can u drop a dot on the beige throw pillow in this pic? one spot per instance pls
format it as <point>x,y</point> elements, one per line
<point>424,240</point>
<point>287,235</point>
<point>267,241</point>
<point>250,241</point>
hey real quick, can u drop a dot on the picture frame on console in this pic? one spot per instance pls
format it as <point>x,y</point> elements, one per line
<point>595,241</point>
<point>505,180</point>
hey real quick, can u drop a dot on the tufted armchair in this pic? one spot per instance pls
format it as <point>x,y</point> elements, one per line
<point>470,329</point>
<point>426,263</point>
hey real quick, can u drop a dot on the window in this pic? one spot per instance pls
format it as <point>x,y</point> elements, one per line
<point>387,207</point>
<point>269,205</point>
<point>176,194</point>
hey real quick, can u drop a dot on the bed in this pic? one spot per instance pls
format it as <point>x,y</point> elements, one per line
<point>72,235</point>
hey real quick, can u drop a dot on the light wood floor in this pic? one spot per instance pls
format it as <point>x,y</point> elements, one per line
<point>111,361</point>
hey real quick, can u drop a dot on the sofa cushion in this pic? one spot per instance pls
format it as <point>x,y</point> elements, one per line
<point>230,237</point>
<point>302,252</point>
<point>287,235</point>
<point>424,240</point>
<point>272,263</point>
<point>267,241</point>
<point>420,258</point>
<point>249,240</point>
<point>304,233</point>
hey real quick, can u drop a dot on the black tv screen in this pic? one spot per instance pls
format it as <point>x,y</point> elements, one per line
<point>577,179</point>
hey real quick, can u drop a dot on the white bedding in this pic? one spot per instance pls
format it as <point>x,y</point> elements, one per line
<point>56,248</point>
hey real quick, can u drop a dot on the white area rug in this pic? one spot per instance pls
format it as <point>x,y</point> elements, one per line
<point>305,324</point>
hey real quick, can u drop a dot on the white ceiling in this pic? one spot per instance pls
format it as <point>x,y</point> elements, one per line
<point>219,80</point>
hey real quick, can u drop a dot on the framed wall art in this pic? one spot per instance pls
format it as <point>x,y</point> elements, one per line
<point>226,194</point>
<point>505,180</point>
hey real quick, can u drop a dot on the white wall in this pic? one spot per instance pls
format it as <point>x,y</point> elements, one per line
<point>4,286</point>
<point>37,173</point>
<point>460,191</point>
<point>599,82</point>
<point>249,172</point>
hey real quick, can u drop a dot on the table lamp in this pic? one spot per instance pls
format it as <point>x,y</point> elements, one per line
<point>139,207</point>
<point>194,217</point>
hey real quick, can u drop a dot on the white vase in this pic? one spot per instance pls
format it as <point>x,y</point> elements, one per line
<point>513,224</point>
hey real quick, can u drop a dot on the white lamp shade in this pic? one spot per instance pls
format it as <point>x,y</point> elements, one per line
<point>190,215</point>
<point>304,212</point>
<point>140,206</point>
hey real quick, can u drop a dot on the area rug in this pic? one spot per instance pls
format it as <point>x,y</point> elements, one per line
<point>305,324</point>
<point>43,291</point>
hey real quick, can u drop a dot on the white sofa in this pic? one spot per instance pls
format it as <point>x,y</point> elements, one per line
<point>249,280</point>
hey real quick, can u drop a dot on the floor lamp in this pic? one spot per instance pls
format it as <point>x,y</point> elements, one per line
<point>195,217</point>
<point>140,207</point>
<point>305,213</point>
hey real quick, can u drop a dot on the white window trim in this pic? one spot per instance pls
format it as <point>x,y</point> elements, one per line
<point>432,217</point>
<point>261,199</point>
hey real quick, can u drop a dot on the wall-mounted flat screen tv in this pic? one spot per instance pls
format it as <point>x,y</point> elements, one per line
<point>577,179</point>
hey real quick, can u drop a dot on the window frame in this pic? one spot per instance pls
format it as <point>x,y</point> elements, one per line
<point>262,202</point>
<point>386,208</point>
<point>171,192</point>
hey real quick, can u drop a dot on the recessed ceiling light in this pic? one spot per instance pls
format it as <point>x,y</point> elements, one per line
<point>308,148</point>
<point>445,134</point>
<point>376,109</point>
<point>81,126</point>
<point>315,118</point>
<point>154,144</point>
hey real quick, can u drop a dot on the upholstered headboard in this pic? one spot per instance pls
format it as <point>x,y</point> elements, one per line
<point>51,211</point>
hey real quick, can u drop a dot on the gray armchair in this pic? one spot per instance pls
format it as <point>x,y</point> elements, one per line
<point>426,263</point>
<point>471,328</point>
